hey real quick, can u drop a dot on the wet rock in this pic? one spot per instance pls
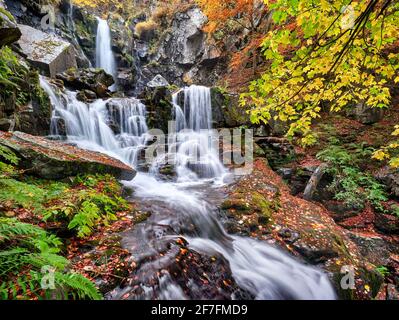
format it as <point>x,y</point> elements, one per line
<point>188,38</point>
<point>183,53</point>
<point>289,235</point>
<point>226,110</point>
<point>95,80</point>
<point>86,96</point>
<point>390,178</point>
<point>157,82</point>
<point>278,151</point>
<point>180,272</point>
<point>372,247</point>
<point>56,160</point>
<point>340,211</point>
<point>125,78</point>
<point>84,30</point>
<point>212,54</point>
<point>168,171</point>
<point>365,114</point>
<point>9,31</point>
<point>314,253</point>
<point>46,51</point>
<point>158,100</point>
<point>386,223</point>
<point>286,173</point>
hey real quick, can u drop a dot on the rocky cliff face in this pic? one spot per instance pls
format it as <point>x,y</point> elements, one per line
<point>175,49</point>
<point>181,52</point>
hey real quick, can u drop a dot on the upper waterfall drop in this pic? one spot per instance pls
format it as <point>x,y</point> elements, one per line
<point>104,56</point>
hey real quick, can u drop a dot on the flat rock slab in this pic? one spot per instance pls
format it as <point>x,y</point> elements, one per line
<point>56,160</point>
<point>46,51</point>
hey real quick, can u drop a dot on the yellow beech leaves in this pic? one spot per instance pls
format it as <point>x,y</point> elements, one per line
<point>328,55</point>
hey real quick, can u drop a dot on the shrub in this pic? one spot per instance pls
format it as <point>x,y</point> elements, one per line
<point>28,194</point>
<point>145,29</point>
<point>26,252</point>
<point>351,184</point>
<point>159,14</point>
<point>83,210</point>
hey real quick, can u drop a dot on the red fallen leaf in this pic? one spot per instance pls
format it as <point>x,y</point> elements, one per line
<point>226,283</point>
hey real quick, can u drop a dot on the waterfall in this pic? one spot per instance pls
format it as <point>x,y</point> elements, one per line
<point>118,127</point>
<point>70,16</point>
<point>104,56</point>
<point>194,147</point>
<point>114,126</point>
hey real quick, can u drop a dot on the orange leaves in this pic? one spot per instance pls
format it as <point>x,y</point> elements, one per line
<point>219,12</point>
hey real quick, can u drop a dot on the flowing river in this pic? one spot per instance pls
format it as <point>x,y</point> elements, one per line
<point>185,207</point>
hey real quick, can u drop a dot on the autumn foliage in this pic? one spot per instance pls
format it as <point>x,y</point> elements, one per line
<point>243,20</point>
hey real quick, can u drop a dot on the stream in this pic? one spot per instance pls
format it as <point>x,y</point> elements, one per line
<point>184,208</point>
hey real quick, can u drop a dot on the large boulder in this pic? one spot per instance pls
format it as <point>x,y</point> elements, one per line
<point>157,97</point>
<point>226,110</point>
<point>9,31</point>
<point>188,38</point>
<point>366,114</point>
<point>47,52</point>
<point>184,54</point>
<point>95,80</point>
<point>389,177</point>
<point>261,205</point>
<point>55,160</point>
<point>157,82</point>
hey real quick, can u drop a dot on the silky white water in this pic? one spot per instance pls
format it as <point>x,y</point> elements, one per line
<point>89,125</point>
<point>193,148</point>
<point>104,56</point>
<point>117,127</point>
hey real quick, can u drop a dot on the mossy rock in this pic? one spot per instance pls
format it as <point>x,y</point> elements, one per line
<point>250,203</point>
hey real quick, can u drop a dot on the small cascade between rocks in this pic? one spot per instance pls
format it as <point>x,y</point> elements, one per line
<point>116,126</point>
<point>193,147</point>
<point>104,56</point>
<point>185,208</point>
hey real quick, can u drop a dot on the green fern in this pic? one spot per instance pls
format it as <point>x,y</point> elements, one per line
<point>350,184</point>
<point>85,219</point>
<point>8,155</point>
<point>24,250</point>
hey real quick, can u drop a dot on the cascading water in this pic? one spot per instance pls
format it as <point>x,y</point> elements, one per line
<point>104,56</point>
<point>182,208</point>
<point>89,125</point>
<point>193,148</point>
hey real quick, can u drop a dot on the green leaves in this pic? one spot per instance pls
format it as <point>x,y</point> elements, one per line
<point>24,251</point>
<point>85,219</point>
<point>351,184</point>
<point>8,155</point>
<point>279,16</point>
<point>314,60</point>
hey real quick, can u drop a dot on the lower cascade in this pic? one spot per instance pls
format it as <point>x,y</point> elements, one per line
<point>185,207</point>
